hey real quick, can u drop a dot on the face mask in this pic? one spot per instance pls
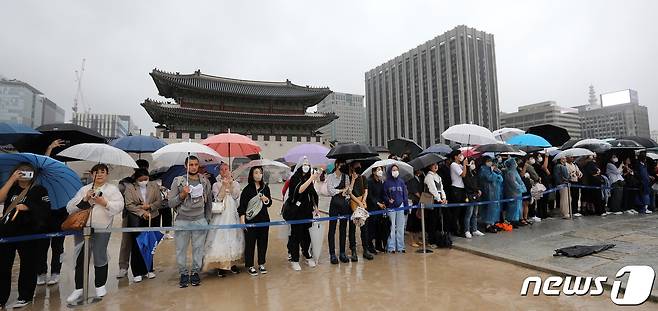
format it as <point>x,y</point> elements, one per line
<point>531,161</point>
<point>379,173</point>
<point>500,159</point>
<point>540,159</point>
<point>460,158</point>
<point>472,167</point>
<point>614,160</point>
<point>358,170</point>
<point>306,168</point>
<point>143,183</point>
<point>395,174</point>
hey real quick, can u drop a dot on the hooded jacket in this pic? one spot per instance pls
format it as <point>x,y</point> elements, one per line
<point>513,183</point>
<point>396,189</point>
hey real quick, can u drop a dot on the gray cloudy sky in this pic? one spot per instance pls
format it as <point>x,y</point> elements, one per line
<point>546,50</point>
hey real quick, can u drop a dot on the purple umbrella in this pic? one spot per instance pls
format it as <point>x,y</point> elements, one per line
<point>317,154</point>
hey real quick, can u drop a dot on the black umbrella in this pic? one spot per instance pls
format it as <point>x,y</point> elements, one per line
<point>625,144</point>
<point>496,148</point>
<point>426,160</point>
<point>400,146</point>
<point>554,134</point>
<point>528,149</point>
<point>365,162</point>
<point>351,151</point>
<point>644,141</point>
<point>71,133</point>
<point>569,144</point>
<point>438,148</point>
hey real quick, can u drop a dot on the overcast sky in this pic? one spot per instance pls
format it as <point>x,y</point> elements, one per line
<point>546,50</point>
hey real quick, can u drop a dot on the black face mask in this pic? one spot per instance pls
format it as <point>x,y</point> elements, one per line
<point>342,169</point>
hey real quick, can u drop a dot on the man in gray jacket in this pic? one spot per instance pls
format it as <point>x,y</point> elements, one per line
<point>191,197</point>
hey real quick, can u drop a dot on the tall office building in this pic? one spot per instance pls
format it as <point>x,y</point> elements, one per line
<point>448,80</point>
<point>109,125</point>
<point>351,123</point>
<point>547,112</point>
<point>22,103</point>
<point>619,114</point>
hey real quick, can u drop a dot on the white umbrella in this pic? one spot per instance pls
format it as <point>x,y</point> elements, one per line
<point>406,170</point>
<point>652,156</point>
<point>469,134</point>
<point>593,142</point>
<point>261,162</point>
<point>100,153</point>
<point>573,152</point>
<point>175,154</point>
<point>506,133</point>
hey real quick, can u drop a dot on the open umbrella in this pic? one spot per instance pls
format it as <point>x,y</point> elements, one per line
<point>426,160</point>
<point>506,133</point>
<point>555,135</point>
<point>101,153</point>
<point>147,242</point>
<point>175,154</point>
<point>496,148</point>
<point>263,163</point>
<point>72,134</point>
<point>529,149</point>
<point>232,145</point>
<point>317,154</point>
<point>529,140</point>
<point>593,144</point>
<point>406,170</point>
<point>569,144</point>
<point>14,132</point>
<point>61,182</point>
<point>442,149</point>
<point>573,153</point>
<point>625,144</point>
<point>644,141</point>
<point>351,151</point>
<point>469,134</point>
<point>400,146</point>
<point>469,152</point>
<point>138,143</point>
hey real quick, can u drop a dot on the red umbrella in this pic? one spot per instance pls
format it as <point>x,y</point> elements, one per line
<point>469,152</point>
<point>232,145</point>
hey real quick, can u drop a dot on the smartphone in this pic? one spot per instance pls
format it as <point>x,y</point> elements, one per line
<point>66,142</point>
<point>27,174</point>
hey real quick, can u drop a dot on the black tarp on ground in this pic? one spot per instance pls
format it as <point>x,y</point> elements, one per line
<point>578,251</point>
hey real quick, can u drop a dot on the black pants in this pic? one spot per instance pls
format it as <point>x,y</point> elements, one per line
<point>255,236</point>
<point>57,246</point>
<point>100,273</point>
<point>575,195</point>
<point>166,215</point>
<point>454,217</point>
<point>372,231</point>
<point>339,208</point>
<point>616,196</point>
<point>27,276</point>
<point>542,207</point>
<point>137,262</point>
<point>365,236</point>
<point>299,237</point>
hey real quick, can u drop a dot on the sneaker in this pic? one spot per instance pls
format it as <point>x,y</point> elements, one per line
<point>295,266</point>
<point>235,269</point>
<point>41,279</point>
<point>618,213</point>
<point>137,279</point>
<point>20,304</point>
<point>195,280</point>
<point>468,235</point>
<point>262,269</point>
<point>122,273</point>
<point>252,271</point>
<point>577,215</point>
<point>354,257</point>
<point>150,275</point>
<point>648,212</point>
<point>368,256</point>
<point>184,281</point>
<point>629,212</point>
<point>75,296</point>
<point>101,291</point>
<point>491,229</point>
<point>311,262</point>
<point>333,259</point>
<point>54,279</point>
<point>478,233</point>
<point>536,219</point>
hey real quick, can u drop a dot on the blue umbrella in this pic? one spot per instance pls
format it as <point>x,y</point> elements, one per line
<point>14,132</point>
<point>529,140</point>
<point>147,242</point>
<point>60,181</point>
<point>438,148</point>
<point>138,143</point>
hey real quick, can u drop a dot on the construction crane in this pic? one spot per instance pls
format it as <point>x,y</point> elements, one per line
<point>79,100</point>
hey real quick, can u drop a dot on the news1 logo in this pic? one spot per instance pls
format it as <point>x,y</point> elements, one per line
<point>638,287</point>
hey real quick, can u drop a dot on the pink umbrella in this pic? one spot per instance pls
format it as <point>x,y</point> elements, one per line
<point>232,145</point>
<point>469,152</point>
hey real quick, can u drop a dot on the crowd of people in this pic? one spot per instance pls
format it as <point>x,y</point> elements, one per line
<point>587,186</point>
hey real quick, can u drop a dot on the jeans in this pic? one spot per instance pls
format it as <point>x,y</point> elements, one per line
<point>471,219</point>
<point>98,248</point>
<point>396,238</point>
<point>183,239</point>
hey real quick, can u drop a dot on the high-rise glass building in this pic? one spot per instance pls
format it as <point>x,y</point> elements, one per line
<point>351,123</point>
<point>448,80</point>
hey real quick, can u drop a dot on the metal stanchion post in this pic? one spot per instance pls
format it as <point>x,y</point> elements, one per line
<point>569,194</point>
<point>423,250</point>
<point>86,249</point>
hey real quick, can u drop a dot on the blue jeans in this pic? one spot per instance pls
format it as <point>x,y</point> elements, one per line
<point>396,238</point>
<point>471,219</point>
<point>183,239</point>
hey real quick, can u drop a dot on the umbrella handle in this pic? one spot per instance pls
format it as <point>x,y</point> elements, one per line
<point>15,214</point>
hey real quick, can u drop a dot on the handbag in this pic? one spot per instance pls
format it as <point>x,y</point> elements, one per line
<point>354,204</point>
<point>218,207</point>
<point>78,220</point>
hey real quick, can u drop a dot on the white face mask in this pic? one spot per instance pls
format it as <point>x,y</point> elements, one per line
<point>379,173</point>
<point>531,161</point>
<point>395,174</point>
<point>143,183</point>
<point>500,159</point>
<point>306,168</point>
<point>614,160</point>
<point>472,167</point>
<point>540,159</point>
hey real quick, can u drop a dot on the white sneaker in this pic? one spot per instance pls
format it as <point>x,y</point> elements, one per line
<point>468,235</point>
<point>478,233</point>
<point>295,266</point>
<point>137,279</point>
<point>122,273</point>
<point>20,304</point>
<point>101,291</point>
<point>618,213</point>
<point>75,296</point>
<point>168,236</point>
<point>41,279</point>
<point>150,275</point>
<point>577,215</point>
<point>648,212</point>
<point>311,262</point>
<point>54,279</point>
<point>536,219</point>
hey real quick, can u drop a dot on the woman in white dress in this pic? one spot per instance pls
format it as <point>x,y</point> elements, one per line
<point>224,247</point>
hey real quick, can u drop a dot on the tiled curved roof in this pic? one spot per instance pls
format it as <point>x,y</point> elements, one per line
<point>167,82</point>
